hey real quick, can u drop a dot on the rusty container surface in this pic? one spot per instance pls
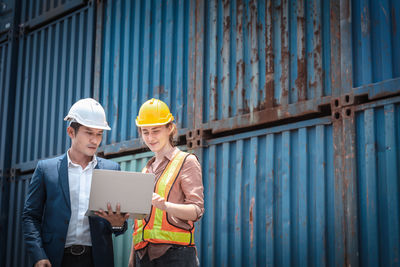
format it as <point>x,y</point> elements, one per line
<point>143,53</point>
<point>54,70</point>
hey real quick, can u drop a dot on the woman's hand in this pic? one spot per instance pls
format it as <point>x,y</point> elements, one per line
<point>159,202</point>
<point>182,211</point>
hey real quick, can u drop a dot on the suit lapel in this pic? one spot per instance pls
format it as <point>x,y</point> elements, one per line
<point>63,179</point>
<point>99,164</point>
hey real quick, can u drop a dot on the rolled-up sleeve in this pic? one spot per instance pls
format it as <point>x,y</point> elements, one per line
<point>192,184</point>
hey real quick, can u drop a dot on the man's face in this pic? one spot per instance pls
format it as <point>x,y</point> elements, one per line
<point>86,140</point>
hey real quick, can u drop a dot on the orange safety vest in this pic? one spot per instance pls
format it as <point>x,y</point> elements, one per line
<point>157,229</point>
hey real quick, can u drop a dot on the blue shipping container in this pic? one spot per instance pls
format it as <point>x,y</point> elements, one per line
<point>144,54</point>
<point>270,198</point>
<point>54,70</point>
<point>378,178</point>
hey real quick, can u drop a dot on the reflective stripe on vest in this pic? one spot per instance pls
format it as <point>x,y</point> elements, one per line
<point>157,229</point>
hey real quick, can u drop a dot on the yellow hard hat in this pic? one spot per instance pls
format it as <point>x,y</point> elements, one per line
<point>153,112</point>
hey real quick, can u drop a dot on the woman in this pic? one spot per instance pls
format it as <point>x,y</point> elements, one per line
<point>166,236</point>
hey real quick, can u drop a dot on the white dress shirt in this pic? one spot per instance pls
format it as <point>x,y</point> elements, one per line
<point>79,190</point>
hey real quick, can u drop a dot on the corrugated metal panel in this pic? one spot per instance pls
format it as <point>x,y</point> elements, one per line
<point>376,41</point>
<point>378,177</point>
<point>6,117</point>
<point>55,69</point>
<point>4,200</point>
<point>16,254</point>
<point>37,13</point>
<point>7,15</point>
<point>262,54</point>
<point>270,198</point>
<point>6,103</point>
<point>144,54</point>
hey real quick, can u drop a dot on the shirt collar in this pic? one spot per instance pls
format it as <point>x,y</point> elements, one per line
<point>169,155</point>
<point>92,163</point>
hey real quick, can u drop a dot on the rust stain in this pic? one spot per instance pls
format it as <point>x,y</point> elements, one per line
<point>301,80</point>
<point>285,56</point>
<point>227,24</point>
<point>251,222</point>
<point>239,11</point>
<point>269,79</point>
<point>160,89</point>
<point>225,3</point>
<point>365,21</point>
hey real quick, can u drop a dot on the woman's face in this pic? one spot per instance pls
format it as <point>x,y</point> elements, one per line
<point>156,137</point>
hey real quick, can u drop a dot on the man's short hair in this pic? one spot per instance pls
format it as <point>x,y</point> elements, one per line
<point>75,125</point>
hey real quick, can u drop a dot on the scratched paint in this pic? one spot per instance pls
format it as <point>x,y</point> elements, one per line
<point>54,70</point>
<point>376,41</point>
<point>378,176</point>
<point>268,197</point>
<point>276,49</point>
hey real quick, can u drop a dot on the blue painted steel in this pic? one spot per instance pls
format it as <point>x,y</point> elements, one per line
<point>6,103</point>
<point>376,41</point>
<point>261,54</point>
<point>16,254</point>
<point>378,177</point>
<point>269,198</point>
<point>144,55</point>
<point>54,70</point>
<point>8,12</point>
<point>38,13</point>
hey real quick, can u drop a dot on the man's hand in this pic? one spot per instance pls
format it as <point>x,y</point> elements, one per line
<point>43,263</point>
<point>115,219</point>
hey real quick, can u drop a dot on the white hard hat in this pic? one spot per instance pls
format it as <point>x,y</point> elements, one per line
<point>89,113</point>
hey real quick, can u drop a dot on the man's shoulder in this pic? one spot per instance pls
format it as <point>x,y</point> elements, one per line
<point>107,164</point>
<point>51,161</point>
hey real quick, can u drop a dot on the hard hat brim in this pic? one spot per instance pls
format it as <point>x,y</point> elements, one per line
<point>153,124</point>
<point>106,127</point>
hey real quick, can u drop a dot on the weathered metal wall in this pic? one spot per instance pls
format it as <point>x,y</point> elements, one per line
<point>55,68</point>
<point>270,198</point>
<point>38,13</point>
<point>144,54</point>
<point>376,41</point>
<point>15,254</point>
<point>6,117</point>
<point>260,61</point>
<point>6,100</point>
<point>378,178</point>
<point>261,54</point>
<point>9,16</point>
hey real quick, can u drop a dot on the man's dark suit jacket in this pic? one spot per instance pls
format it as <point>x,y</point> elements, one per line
<point>47,213</point>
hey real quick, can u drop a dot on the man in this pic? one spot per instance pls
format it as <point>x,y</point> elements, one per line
<point>56,231</point>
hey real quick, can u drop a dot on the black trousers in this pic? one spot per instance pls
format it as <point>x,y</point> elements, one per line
<point>176,256</point>
<point>83,260</point>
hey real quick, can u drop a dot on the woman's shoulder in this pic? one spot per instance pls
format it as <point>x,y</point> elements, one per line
<point>191,162</point>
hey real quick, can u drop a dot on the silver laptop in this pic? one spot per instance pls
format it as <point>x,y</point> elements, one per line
<point>133,190</point>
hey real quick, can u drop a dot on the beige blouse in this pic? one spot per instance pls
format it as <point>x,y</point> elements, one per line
<point>188,189</point>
